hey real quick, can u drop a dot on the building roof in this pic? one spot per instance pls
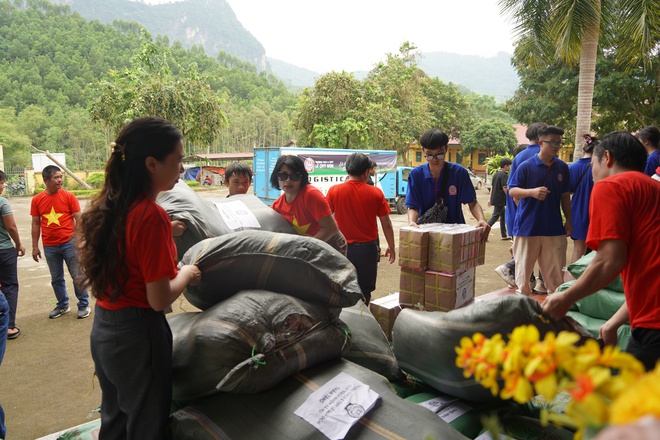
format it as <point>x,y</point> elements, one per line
<point>520,134</point>
<point>226,156</point>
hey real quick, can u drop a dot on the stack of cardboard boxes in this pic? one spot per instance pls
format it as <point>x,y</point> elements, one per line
<point>437,270</point>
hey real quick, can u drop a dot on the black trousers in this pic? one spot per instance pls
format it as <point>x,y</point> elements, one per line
<point>364,257</point>
<point>132,352</point>
<point>9,280</point>
<point>498,213</point>
<point>644,344</point>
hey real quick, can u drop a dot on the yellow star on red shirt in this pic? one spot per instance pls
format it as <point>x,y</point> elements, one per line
<point>53,217</point>
<point>300,229</point>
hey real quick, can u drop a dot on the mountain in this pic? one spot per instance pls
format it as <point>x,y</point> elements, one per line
<point>213,25</point>
<point>293,76</point>
<point>209,23</point>
<point>486,76</point>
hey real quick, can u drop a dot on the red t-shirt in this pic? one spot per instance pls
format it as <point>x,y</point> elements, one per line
<point>305,211</point>
<point>150,254</point>
<point>356,206</point>
<point>626,207</point>
<point>56,212</point>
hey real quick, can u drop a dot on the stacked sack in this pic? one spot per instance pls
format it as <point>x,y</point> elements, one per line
<point>592,311</point>
<point>278,311</point>
<point>244,365</point>
<point>270,306</point>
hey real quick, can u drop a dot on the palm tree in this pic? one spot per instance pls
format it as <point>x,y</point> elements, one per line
<point>570,30</point>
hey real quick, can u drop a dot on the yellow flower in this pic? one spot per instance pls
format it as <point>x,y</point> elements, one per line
<point>592,410</point>
<point>587,356</point>
<point>640,399</point>
<point>606,386</point>
<point>613,357</point>
<point>516,387</point>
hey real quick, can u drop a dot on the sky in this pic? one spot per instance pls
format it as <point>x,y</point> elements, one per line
<point>354,35</point>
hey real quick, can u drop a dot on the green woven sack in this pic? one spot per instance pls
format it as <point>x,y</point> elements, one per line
<point>602,304</point>
<point>576,269</point>
<point>592,325</point>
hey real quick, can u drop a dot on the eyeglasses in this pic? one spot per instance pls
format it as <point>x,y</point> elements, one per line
<point>436,156</point>
<point>294,177</point>
<point>554,143</point>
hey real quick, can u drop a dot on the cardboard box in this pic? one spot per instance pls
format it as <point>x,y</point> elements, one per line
<point>411,287</point>
<point>454,248</point>
<point>413,247</point>
<point>385,310</point>
<point>481,259</point>
<point>444,291</point>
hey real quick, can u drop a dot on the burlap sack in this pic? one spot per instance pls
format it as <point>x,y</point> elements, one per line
<point>303,267</point>
<point>425,342</point>
<point>203,219</point>
<point>251,342</point>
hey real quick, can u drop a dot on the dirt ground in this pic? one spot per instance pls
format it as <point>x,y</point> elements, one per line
<point>46,378</point>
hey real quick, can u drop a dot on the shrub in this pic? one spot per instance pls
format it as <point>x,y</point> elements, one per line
<point>192,183</point>
<point>96,180</point>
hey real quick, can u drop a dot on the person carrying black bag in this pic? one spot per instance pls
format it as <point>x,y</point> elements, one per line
<point>428,192</point>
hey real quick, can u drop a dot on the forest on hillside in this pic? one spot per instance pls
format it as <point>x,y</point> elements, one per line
<point>51,61</point>
<point>61,79</point>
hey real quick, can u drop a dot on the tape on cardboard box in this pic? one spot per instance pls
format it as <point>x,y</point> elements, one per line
<point>444,292</point>
<point>411,286</point>
<point>413,247</point>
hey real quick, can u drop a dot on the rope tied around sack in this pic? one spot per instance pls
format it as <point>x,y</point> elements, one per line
<point>254,357</point>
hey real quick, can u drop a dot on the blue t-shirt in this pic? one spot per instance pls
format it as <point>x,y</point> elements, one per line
<point>652,162</point>
<point>511,207</point>
<point>423,190</point>
<point>540,217</point>
<point>581,196</point>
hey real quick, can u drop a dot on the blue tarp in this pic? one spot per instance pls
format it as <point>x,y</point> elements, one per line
<point>191,173</point>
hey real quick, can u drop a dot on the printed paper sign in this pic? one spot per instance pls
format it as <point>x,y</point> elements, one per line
<point>337,405</point>
<point>437,403</point>
<point>453,411</point>
<point>236,215</point>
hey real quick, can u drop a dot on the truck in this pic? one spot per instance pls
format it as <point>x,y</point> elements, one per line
<point>327,167</point>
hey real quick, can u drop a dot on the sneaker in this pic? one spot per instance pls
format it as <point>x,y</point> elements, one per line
<point>540,286</point>
<point>506,238</point>
<point>57,312</point>
<point>83,313</point>
<point>506,274</point>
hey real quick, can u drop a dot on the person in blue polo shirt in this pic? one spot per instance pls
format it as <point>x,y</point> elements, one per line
<point>542,185</point>
<point>581,184</point>
<point>424,184</point>
<point>508,270</point>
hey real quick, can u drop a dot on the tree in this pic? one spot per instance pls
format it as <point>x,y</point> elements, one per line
<point>330,114</point>
<point>402,111</point>
<point>569,30</point>
<point>149,89</point>
<point>15,143</point>
<point>494,135</point>
<point>450,109</point>
<point>623,100</point>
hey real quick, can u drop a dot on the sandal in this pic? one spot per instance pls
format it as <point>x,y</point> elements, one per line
<point>13,335</point>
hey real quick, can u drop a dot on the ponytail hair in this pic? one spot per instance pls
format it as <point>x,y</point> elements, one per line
<point>103,224</point>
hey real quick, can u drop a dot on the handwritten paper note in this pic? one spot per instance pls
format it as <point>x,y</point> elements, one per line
<point>337,405</point>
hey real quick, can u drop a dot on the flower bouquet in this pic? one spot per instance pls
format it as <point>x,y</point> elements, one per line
<point>607,386</point>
